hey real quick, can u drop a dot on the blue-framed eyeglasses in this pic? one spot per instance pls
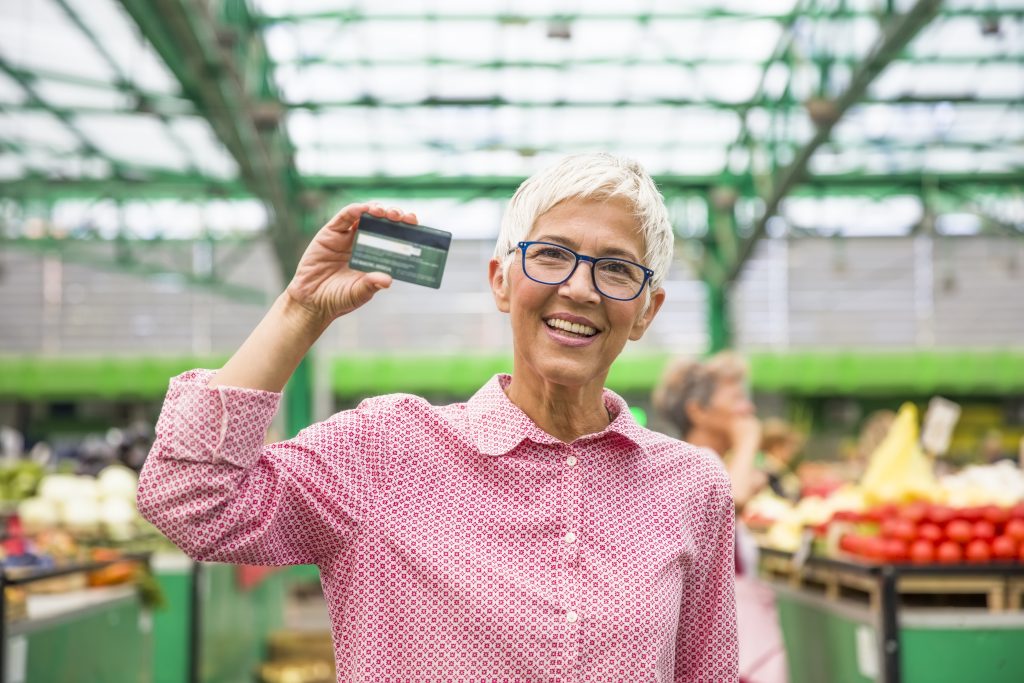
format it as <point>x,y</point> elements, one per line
<point>553,264</point>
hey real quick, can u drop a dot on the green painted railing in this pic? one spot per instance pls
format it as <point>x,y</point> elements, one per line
<point>900,373</point>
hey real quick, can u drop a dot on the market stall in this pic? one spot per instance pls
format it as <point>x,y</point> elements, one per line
<point>84,575</point>
<point>904,576</point>
<point>91,613</point>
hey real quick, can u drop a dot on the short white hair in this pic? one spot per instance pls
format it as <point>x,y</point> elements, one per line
<point>591,176</point>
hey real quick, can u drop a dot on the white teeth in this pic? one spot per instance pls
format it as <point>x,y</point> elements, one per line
<point>575,328</point>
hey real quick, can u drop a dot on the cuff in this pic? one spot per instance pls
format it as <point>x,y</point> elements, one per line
<point>214,424</point>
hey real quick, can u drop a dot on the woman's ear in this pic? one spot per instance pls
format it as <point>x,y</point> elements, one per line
<point>499,285</point>
<point>694,412</point>
<point>645,319</point>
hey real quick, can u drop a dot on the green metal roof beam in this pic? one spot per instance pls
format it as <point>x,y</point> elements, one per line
<point>353,16</point>
<point>368,102</point>
<point>135,184</point>
<point>170,104</point>
<point>504,186</point>
<point>498,64</point>
<point>174,185</point>
<point>888,144</point>
<point>203,53</point>
<point>129,173</point>
<point>897,35</point>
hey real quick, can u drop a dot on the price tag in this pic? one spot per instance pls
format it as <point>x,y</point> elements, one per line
<point>17,659</point>
<point>867,652</point>
<point>804,550</point>
<point>939,422</point>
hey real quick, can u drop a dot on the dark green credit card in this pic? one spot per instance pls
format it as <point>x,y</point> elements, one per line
<point>413,253</point>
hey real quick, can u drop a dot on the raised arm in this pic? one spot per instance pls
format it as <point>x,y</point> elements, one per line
<point>324,288</point>
<point>209,482</point>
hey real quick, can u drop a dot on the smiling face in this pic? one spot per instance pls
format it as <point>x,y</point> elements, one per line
<point>569,334</point>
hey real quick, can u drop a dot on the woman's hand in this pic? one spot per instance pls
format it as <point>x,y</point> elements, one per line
<point>323,284</point>
<point>745,432</point>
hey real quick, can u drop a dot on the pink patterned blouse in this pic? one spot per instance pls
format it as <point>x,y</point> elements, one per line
<point>461,542</point>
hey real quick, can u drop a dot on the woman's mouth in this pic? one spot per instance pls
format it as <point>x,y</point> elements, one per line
<point>567,333</point>
<point>574,329</point>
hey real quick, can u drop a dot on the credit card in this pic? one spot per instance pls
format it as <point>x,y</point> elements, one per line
<point>413,253</point>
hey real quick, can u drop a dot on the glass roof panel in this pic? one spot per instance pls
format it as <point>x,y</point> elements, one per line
<point>38,129</point>
<point>203,147</point>
<point>38,35</point>
<point>133,139</point>
<point>467,87</point>
<point>134,58</point>
<point>10,91</point>
<point>70,95</point>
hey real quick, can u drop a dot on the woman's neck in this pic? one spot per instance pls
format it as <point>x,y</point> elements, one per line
<point>564,412</point>
<point>705,438</point>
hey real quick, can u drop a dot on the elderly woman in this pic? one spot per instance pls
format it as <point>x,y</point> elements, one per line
<point>708,401</point>
<point>533,533</point>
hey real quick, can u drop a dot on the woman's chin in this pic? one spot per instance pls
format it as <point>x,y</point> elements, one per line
<point>569,372</point>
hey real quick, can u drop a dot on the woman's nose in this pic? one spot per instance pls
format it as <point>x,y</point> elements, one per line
<point>580,285</point>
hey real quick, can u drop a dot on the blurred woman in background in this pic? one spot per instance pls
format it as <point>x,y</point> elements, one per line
<point>709,403</point>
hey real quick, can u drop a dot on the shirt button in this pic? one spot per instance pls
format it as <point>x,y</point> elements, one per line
<point>571,461</point>
<point>570,537</point>
<point>572,617</point>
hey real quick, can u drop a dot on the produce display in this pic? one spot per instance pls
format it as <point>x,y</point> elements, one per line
<point>61,520</point>
<point>900,512</point>
<point>101,506</point>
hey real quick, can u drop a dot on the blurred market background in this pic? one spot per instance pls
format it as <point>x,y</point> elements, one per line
<point>845,178</point>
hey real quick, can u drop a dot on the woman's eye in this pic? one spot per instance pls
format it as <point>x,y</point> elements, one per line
<point>552,253</point>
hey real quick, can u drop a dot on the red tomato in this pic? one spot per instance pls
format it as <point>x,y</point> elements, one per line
<point>895,550</point>
<point>978,551</point>
<point>959,531</point>
<point>875,514</point>
<point>873,548</point>
<point>1015,529</point>
<point>1004,548</point>
<point>915,512</point>
<point>949,552</point>
<point>930,532</point>
<point>996,514</point>
<point>888,526</point>
<point>970,514</point>
<point>905,530</point>
<point>939,514</point>
<point>849,543</point>
<point>1017,511</point>
<point>922,552</point>
<point>984,530</point>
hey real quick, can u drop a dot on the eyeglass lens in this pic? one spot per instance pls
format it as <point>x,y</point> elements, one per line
<point>552,265</point>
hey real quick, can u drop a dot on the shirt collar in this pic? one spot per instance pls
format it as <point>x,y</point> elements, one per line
<point>499,426</point>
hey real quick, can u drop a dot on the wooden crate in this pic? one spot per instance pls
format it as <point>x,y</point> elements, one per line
<point>998,593</point>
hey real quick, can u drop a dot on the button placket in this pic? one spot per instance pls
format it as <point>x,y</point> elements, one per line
<point>570,543</point>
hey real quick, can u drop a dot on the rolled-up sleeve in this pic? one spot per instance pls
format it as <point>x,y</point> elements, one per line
<point>215,490</point>
<point>706,647</point>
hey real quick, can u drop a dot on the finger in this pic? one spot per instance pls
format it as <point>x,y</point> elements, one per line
<point>376,209</point>
<point>410,218</point>
<point>369,284</point>
<point>344,220</point>
<point>394,214</point>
